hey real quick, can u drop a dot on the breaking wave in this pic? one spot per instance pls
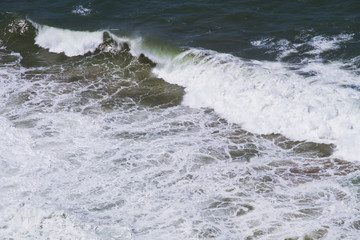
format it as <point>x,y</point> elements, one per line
<point>315,101</point>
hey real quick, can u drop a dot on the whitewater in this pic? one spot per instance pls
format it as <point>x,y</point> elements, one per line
<point>108,136</point>
<point>263,97</point>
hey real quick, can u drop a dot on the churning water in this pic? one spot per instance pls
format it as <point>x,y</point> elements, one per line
<point>156,120</point>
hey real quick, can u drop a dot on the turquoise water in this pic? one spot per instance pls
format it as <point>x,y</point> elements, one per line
<point>179,120</point>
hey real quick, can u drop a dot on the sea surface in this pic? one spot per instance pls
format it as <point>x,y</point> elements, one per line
<point>180,120</point>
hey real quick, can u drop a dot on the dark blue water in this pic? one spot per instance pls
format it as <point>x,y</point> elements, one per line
<point>226,26</point>
<point>179,119</point>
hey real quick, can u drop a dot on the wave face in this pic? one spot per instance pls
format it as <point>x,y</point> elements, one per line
<point>168,133</point>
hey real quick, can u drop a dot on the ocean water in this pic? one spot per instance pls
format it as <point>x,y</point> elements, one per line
<point>180,120</point>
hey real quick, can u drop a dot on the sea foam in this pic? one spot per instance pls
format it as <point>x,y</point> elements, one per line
<point>266,97</point>
<point>81,10</point>
<point>75,43</point>
<point>71,43</point>
<point>263,97</point>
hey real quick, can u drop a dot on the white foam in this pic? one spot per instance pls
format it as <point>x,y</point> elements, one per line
<point>75,43</point>
<point>28,222</point>
<point>323,44</point>
<point>82,11</point>
<point>319,44</point>
<point>265,97</point>
<point>158,173</point>
<point>71,43</point>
